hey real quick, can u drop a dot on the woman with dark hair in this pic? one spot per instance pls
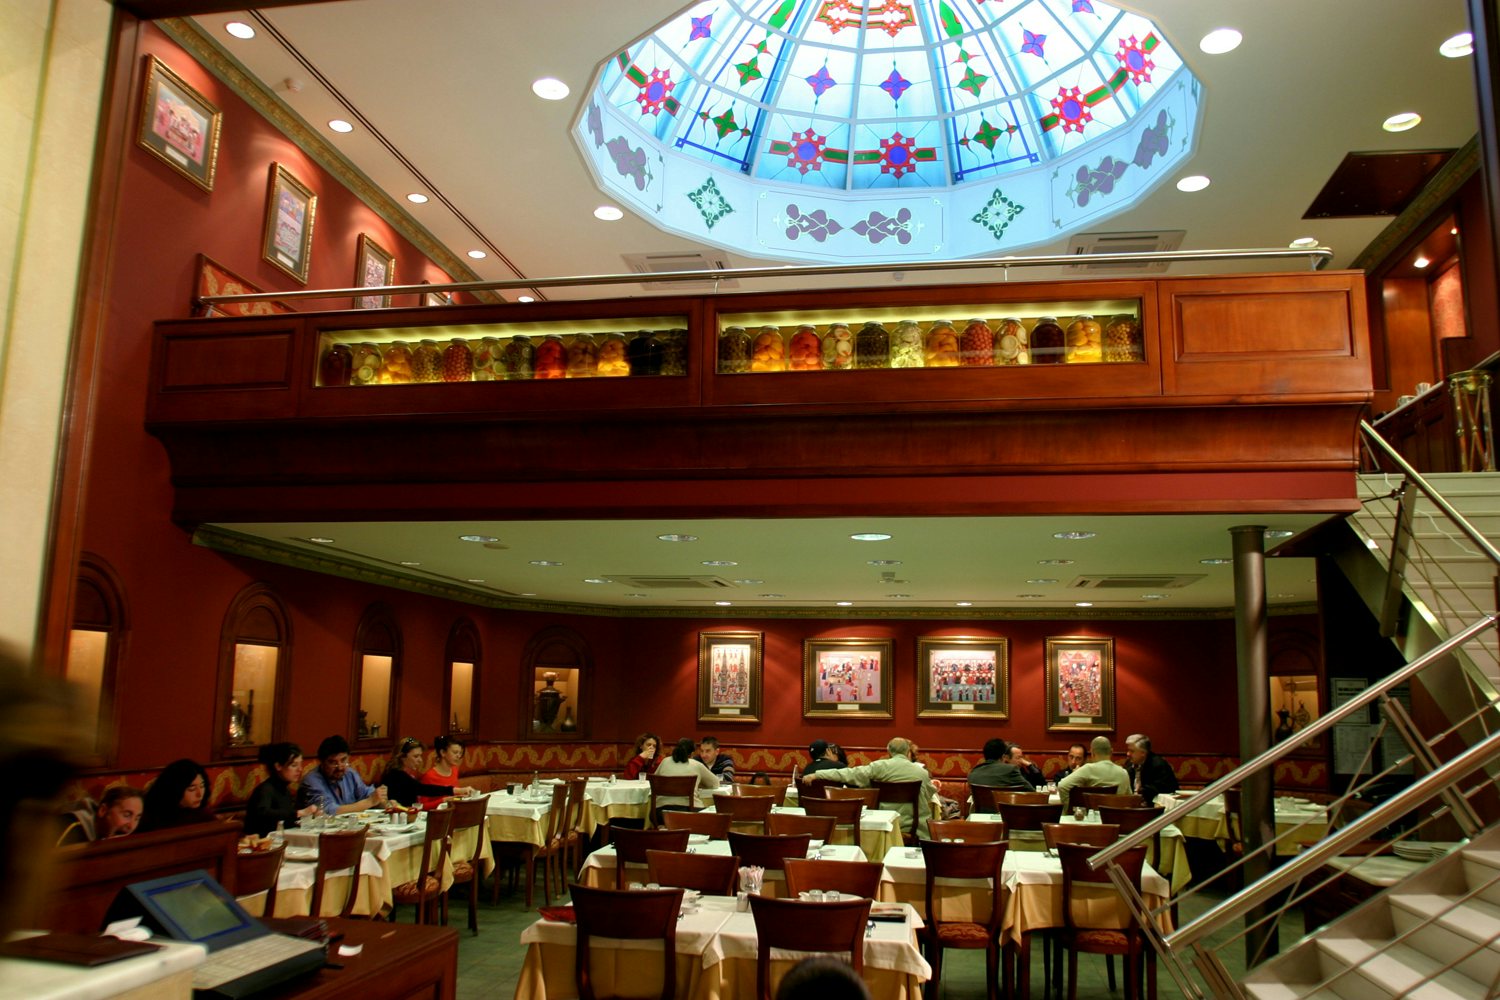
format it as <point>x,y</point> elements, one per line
<point>644,758</point>
<point>273,801</point>
<point>402,784</point>
<point>685,762</point>
<point>447,755</point>
<point>177,797</point>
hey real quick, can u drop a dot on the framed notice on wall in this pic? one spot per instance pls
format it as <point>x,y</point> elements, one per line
<point>847,677</point>
<point>730,665</point>
<point>1080,685</point>
<point>960,677</point>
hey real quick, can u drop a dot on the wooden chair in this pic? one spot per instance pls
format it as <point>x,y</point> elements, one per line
<point>1089,834</point>
<point>683,786</point>
<point>967,831</point>
<point>797,926</point>
<point>576,841</point>
<point>710,874</point>
<point>1090,799</point>
<point>631,847</point>
<point>869,796</point>
<point>714,824</point>
<point>816,789</point>
<point>1020,799</point>
<point>1024,821</point>
<point>256,873</point>
<point>1115,932</point>
<point>425,892</point>
<point>639,915</point>
<point>552,850</point>
<point>337,853</point>
<point>747,814</point>
<point>816,827</point>
<point>1132,818</point>
<point>983,797</point>
<point>972,861</point>
<point>767,851</point>
<point>891,794</point>
<point>858,878</point>
<point>777,792</point>
<point>846,815</point>
<point>470,814</point>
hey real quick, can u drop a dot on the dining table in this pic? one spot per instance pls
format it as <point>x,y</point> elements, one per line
<point>1298,820</point>
<point>716,958</point>
<point>599,866</point>
<point>879,829</point>
<point>1174,860</point>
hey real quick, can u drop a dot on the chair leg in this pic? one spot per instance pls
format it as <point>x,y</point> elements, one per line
<point>1109,968</point>
<point>1150,973</point>
<point>474,903</point>
<point>1073,974</point>
<point>936,961</point>
<point>992,971</point>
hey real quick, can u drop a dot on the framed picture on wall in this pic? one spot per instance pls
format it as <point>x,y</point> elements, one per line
<point>842,677</point>
<point>178,125</point>
<point>216,279</point>
<point>963,677</point>
<point>437,298</point>
<point>290,209</point>
<point>730,667</point>
<point>1080,684</point>
<point>374,265</point>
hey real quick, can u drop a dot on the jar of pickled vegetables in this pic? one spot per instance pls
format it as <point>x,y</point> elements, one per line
<point>517,359</point>
<point>487,360</point>
<point>906,345</point>
<point>458,361</point>
<point>551,358</point>
<point>427,362</point>
<point>1011,343</point>
<point>1085,340</point>
<point>1048,342</point>
<point>976,346</point>
<point>645,354</point>
<point>768,350</point>
<point>1123,341</point>
<point>805,353</point>
<point>612,362</point>
<point>336,366</point>
<point>583,356</point>
<point>674,347</point>
<point>395,363</point>
<point>872,346</point>
<point>838,348</point>
<point>366,364</point>
<point>734,351</point>
<point>942,345</point>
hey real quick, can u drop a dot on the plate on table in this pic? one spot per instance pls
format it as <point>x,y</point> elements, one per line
<point>698,838</point>
<point>301,854</point>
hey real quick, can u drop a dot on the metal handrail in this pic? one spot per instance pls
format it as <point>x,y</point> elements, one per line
<point>1316,257</point>
<point>1373,438</point>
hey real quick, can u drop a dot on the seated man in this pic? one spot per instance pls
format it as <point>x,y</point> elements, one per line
<point>1100,772</point>
<point>1029,771</point>
<point>824,757</point>
<point>899,766</point>
<point>117,814</point>
<point>721,764</point>
<point>997,771</point>
<point>1076,755</point>
<point>334,785</point>
<point>1150,774</point>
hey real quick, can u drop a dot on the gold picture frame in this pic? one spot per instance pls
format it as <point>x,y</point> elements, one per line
<point>291,208</point>
<point>731,666</point>
<point>1080,684</point>
<point>179,126</point>
<point>965,677</point>
<point>848,677</point>
<point>374,265</point>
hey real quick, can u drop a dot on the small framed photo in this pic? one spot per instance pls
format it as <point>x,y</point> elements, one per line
<point>290,209</point>
<point>374,265</point>
<point>963,677</point>
<point>1080,685</point>
<point>178,125</point>
<point>842,677</point>
<point>730,667</point>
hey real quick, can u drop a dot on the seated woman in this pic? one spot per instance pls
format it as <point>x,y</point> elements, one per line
<point>684,761</point>
<point>643,759</point>
<point>272,800</point>
<point>448,754</point>
<point>177,797</point>
<point>402,784</point>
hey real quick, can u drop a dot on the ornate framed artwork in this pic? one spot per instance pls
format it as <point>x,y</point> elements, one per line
<point>290,209</point>
<point>374,265</point>
<point>963,677</point>
<point>216,279</point>
<point>730,668</point>
<point>178,125</point>
<point>842,677</point>
<point>1080,685</point>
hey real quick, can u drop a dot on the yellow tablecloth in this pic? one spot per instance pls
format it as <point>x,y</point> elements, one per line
<point>607,800</point>
<point>1296,822</point>
<point>879,829</point>
<point>599,867</point>
<point>1174,851</point>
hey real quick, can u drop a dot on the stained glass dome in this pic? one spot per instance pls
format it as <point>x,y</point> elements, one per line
<point>889,130</point>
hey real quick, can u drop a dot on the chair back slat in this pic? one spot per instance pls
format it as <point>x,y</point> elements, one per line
<point>257,872</point>
<point>974,861</point>
<point>1130,818</point>
<point>338,851</point>
<point>983,796</point>
<point>1028,816</point>
<point>816,789</point>
<point>894,794</point>
<point>776,792</point>
<point>846,814</point>
<point>766,850</point>
<point>638,915</point>
<point>967,831</point>
<point>816,827</point>
<point>470,814</point>
<point>714,824</point>
<point>1090,799</point>
<point>631,846</point>
<point>1090,834</point>
<point>710,874</point>
<point>1020,798</point>
<point>745,810</point>
<point>869,796</point>
<point>674,786</point>
<point>859,878</point>
<point>795,925</point>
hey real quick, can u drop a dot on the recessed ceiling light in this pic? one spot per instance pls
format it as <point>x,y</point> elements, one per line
<point>528,593</point>
<point>1420,262</point>
<point>239,29</point>
<point>1453,231</point>
<point>1154,597</point>
<point>1460,45</point>
<point>608,213</point>
<point>525,298</point>
<point>964,604</point>
<point>597,579</point>
<point>1220,41</point>
<point>898,597</point>
<point>1083,604</point>
<point>339,125</point>
<point>773,596</point>
<point>1054,562</point>
<point>724,604</point>
<point>316,540</point>
<point>1279,532</point>
<point>1403,122</point>
<point>677,538</point>
<point>844,604</point>
<point>409,562</point>
<point>884,562</point>
<point>1073,536</point>
<point>475,580</point>
<point>549,88</point>
<point>749,583</point>
<point>870,536</point>
<point>1041,581</point>
<point>635,595</point>
<point>478,254</point>
<point>477,538</point>
<point>1029,596</point>
<point>1216,562</point>
<point>720,562</point>
<point>1193,182</point>
<point>1283,597</point>
<point>1302,242</point>
<point>417,198</point>
<point>544,562</point>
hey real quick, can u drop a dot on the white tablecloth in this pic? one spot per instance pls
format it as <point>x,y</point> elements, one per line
<point>599,867</point>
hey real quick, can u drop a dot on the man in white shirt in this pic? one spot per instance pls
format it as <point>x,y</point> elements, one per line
<point>899,766</point>
<point>1100,772</point>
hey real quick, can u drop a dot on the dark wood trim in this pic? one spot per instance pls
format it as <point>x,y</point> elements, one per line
<point>255,597</point>
<point>377,618</point>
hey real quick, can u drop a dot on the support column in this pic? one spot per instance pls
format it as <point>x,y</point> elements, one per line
<point>1257,809</point>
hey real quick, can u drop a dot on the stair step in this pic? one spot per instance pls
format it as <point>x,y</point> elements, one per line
<point>1288,991</point>
<point>1394,970</point>
<point>1482,868</point>
<point>1458,932</point>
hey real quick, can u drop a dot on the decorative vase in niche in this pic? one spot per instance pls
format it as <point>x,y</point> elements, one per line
<point>568,725</point>
<point>548,701</point>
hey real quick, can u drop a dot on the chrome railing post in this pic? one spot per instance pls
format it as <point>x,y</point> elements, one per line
<point>1390,606</point>
<point>1463,813</point>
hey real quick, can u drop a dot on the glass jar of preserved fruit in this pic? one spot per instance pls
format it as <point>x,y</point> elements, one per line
<point>872,346</point>
<point>426,362</point>
<point>517,359</point>
<point>645,354</point>
<point>458,361</point>
<point>395,364</point>
<point>1123,340</point>
<point>838,348</point>
<point>768,351</point>
<point>674,347</point>
<point>612,362</point>
<point>366,365</point>
<point>551,358</point>
<point>1085,340</point>
<point>734,351</point>
<point>942,345</point>
<point>804,353</point>
<point>487,360</point>
<point>583,356</point>
<point>906,345</point>
<point>976,346</point>
<point>336,366</point>
<point>1048,343</point>
<point>1011,343</point>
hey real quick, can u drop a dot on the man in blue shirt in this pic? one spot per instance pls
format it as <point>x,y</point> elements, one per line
<point>336,786</point>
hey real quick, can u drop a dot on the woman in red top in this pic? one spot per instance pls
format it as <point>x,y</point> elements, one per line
<point>447,755</point>
<point>644,757</point>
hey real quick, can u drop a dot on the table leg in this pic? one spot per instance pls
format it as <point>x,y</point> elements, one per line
<point>1023,967</point>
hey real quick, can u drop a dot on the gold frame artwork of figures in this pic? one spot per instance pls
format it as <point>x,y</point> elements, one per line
<point>848,677</point>
<point>291,208</point>
<point>962,677</point>
<point>178,125</point>
<point>1080,685</point>
<point>730,668</point>
<point>373,265</point>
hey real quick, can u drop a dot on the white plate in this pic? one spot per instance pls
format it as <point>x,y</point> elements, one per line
<point>698,838</point>
<point>301,854</point>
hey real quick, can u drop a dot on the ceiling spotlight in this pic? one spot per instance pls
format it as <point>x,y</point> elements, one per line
<point>1279,532</point>
<point>1403,122</point>
<point>870,536</point>
<point>477,254</point>
<point>720,562</point>
<point>544,562</point>
<point>724,604</point>
<point>1029,596</point>
<point>1083,604</point>
<point>339,125</point>
<point>963,604</point>
<point>844,604</point>
<point>474,580</point>
<point>477,538</point>
<point>749,583</point>
<point>1154,597</point>
<point>549,88</point>
<point>1041,581</point>
<point>898,597</point>
<point>773,597</point>
<point>409,562</point>
<point>528,593</point>
<point>1216,562</point>
<point>417,198</point>
<point>597,579</point>
<point>635,595</point>
<point>1193,182</point>
<point>1460,45</point>
<point>321,541</point>
<point>1220,41</point>
<point>1073,536</point>
<point>525,298</point>
<point>1303,242</point>
<point>239,29</point>
<point>677,538</point>
<point>608,213</point>
<point>884,562</point>
<point>1054,562</point>
<point>1283,597</point>
<point>1453,231</point>
<point>1420,262</point>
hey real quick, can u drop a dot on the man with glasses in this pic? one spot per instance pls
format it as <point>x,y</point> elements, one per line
<point>334,785</point>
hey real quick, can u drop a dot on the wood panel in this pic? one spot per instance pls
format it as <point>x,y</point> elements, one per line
<point>252,361</point>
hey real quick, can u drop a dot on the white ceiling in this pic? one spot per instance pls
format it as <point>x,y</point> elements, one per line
<point>447,87</point>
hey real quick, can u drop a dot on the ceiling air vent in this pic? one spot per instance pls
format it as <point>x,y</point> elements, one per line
<point>1104,243</point>
<point>1130,581</point>
<point>661,263</point>
<point>672,582</point>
